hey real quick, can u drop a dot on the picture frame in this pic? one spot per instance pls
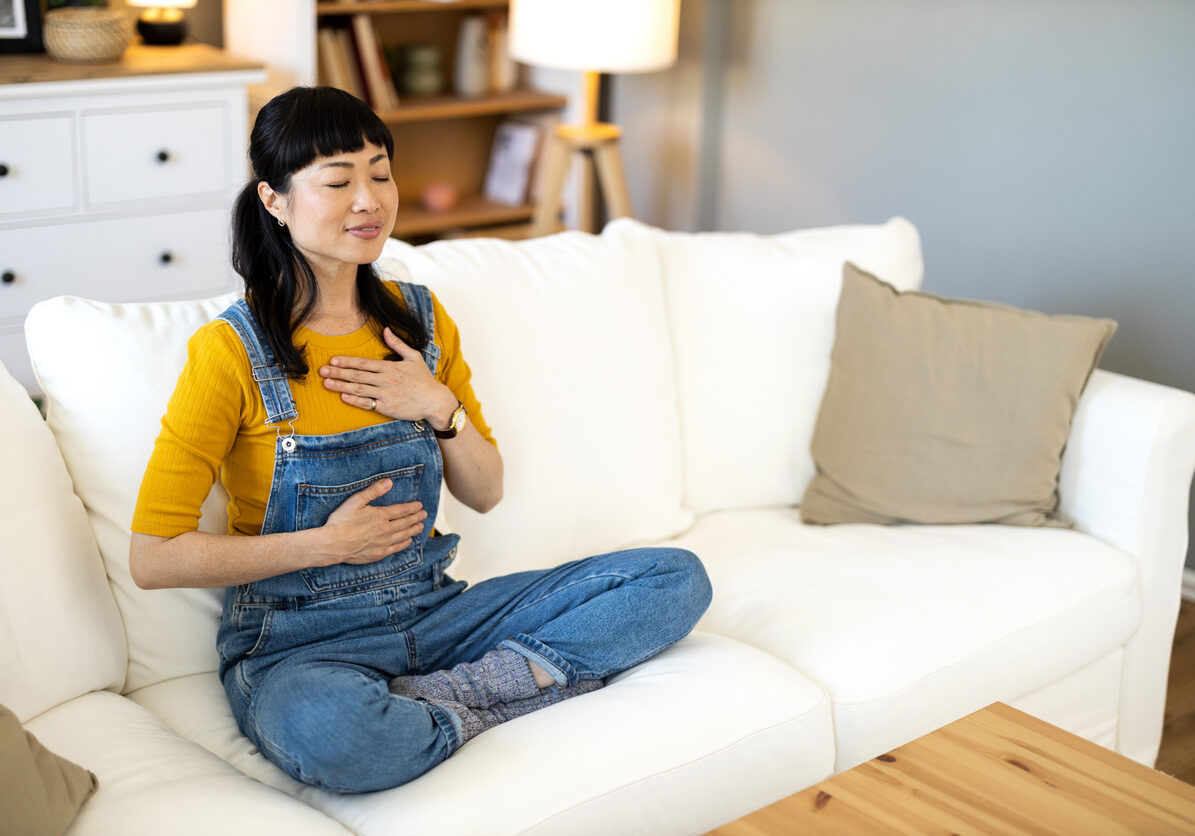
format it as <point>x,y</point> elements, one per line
<point>512,161</point>
<point>21,26</point>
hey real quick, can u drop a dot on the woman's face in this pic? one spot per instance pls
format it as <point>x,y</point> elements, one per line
<point>340,209</point>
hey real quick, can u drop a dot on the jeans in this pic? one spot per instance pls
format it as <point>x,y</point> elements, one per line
<point>323,712</point>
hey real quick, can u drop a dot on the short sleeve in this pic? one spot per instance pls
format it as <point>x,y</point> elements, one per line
<point>201,423</point>
<point>454,372</point>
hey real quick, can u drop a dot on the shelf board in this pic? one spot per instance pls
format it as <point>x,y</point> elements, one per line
<point>470,212</point>
<point>429,108</point>
<point>348,7</point>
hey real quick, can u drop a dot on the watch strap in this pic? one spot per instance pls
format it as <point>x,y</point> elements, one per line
<point>455,424</point>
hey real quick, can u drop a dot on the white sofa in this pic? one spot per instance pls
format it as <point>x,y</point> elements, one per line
<point>645,387</point>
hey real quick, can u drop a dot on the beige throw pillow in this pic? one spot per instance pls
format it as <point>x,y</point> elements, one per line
<point>40,793</point>
<point>946,411</point>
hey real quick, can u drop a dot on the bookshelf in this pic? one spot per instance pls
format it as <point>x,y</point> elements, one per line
<point>440,138</point>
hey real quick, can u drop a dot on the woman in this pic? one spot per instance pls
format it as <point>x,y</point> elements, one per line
<point>330,404</point>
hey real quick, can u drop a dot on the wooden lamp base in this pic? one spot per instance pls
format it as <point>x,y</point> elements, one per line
<point>597,138</point>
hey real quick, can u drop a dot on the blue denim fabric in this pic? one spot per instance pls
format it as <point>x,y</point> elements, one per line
<point>306,657</point>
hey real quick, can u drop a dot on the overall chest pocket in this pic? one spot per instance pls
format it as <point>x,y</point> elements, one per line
<point>315,503</point>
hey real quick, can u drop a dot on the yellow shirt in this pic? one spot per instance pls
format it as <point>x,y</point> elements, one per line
<point>215,422</point>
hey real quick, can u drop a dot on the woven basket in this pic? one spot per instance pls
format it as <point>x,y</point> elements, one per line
<point>87,34</point>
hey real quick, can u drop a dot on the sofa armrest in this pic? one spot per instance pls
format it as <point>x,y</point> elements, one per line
<point>1126,478</point>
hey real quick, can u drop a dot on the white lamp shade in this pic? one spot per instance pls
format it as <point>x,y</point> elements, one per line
<point>613,36</point>
<point>163,4</point>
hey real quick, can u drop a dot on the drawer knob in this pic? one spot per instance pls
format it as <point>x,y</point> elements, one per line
<point>8,277</point>
<point>3,170</point>
<point>163,155</point>
<point>166,257</point>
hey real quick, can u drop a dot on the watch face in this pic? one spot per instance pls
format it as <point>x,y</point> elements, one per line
<point>458,419</point>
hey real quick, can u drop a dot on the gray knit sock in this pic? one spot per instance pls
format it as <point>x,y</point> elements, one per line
<point>471,723</point>
<point>501,712</point>
<point>501,676</point>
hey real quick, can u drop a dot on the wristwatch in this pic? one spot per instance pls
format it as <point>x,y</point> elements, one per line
<point>455,424</point>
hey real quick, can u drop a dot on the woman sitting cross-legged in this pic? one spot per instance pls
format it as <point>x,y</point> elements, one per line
<point>331,404</point>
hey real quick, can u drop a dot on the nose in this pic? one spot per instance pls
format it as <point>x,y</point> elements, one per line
<point>366,198</point>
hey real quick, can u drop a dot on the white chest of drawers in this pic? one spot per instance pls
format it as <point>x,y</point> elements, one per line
<point>116,179</point>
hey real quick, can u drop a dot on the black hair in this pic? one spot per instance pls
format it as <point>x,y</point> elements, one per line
<point>292,131</point>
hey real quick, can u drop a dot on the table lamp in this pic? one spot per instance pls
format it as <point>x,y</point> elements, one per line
<point>162,23</point>
<point>591,36</point>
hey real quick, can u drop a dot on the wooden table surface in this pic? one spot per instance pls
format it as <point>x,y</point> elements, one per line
<point>137,60</point>
<point>998,770</point>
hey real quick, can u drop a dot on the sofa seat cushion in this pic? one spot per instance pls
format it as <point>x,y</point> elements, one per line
<point>910,627</point>
<point>701,734</point>
<point>152,781</point>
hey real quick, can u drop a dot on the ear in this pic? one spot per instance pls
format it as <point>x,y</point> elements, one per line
<point>274,202</point>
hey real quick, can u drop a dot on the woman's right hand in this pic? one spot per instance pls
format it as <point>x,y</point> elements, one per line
<point>362,533</point>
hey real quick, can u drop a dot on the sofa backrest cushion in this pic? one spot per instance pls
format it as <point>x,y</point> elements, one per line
<point>61,634</point>
<point>108,371</point>
<point>567,337</point>
<point>752,327</point>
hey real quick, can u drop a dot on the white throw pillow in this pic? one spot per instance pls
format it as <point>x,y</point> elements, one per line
<point>567,337</point>
<point>61,634</point>
<point>753,322</point>
<point>108,371</point>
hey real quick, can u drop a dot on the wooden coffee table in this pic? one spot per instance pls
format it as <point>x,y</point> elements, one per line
<point>998,770</point>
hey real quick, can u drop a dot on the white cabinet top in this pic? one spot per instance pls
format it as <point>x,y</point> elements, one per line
<point>141,67</point>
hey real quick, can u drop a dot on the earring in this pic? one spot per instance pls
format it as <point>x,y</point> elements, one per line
<point>280,222</point>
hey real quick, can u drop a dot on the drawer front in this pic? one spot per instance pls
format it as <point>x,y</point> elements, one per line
<point>38,159</point>
<point>153,154</point>
<point>164,257</point>
<point>15,357</point>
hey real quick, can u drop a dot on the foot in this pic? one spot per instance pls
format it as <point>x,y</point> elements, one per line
<point>501,676</point>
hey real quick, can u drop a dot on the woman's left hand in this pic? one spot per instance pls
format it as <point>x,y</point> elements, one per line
<point>404,389</point>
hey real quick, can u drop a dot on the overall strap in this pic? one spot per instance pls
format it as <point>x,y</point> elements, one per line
<point>267,374</point>
<point>419,305</point>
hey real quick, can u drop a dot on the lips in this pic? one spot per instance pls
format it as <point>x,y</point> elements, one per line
<point>366,230</point>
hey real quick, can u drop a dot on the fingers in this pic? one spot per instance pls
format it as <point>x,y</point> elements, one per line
<point>391,538</point>
<point>359,401</point>
<point>400,348</point>
<point>360,395</point>
<point>407,512</point>
<point>369,494</point>
<point>350,368</point>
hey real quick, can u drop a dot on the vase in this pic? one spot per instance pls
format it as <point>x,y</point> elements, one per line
<point>472,58</point>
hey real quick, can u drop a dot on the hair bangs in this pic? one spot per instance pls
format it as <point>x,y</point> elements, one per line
<point>313,122</point>
<point>344,128</point>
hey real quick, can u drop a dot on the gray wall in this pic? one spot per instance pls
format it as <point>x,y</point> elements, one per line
<point>1044,148</point>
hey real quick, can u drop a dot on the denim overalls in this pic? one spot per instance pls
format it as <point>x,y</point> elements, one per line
<point>306,657</point>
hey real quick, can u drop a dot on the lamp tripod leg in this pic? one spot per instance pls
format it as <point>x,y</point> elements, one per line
<point>613,179</point>
<point>557,157</point>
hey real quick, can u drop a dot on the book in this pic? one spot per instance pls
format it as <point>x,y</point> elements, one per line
<point>348,59</point>
<point>329,70</point>
<point>512,160</point>
<point>337,64</point>
<point>378,84</point>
